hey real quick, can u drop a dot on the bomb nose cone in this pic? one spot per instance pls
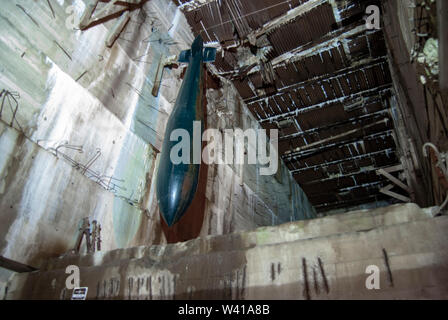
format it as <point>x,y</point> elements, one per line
<point>168,214</point>
<point>171,204</point>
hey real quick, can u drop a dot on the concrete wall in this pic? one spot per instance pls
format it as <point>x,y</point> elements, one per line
<point>324,258</point>
<point>5,276</point>
<point>270,200</point>
<point>420,115</point>
<point>76,92</point>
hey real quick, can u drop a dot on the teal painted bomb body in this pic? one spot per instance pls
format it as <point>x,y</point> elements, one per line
<point>177,183</point>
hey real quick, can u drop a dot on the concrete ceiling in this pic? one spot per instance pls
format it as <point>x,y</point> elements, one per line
<point>313,70</point>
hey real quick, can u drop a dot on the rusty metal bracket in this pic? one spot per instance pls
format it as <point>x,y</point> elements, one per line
<point>92,236</point>
<point>163,62</point>
<point>93,16</point>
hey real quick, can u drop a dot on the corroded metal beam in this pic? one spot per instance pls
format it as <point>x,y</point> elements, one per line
<point>344,175</point>
<point>296,112</point>
<point>338,136</point>
<point>309,153</point>
<point>331,40</point>
<point>335,125</point>
<point>287,17</point>
<point>92,14</point>
<point>117,28</point>
<point>354,158</point>
<point>355,66</point>
<point>324,207</point>
<point>341,191</point>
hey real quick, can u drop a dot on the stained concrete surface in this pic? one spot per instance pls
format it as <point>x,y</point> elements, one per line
<point>324,258</point>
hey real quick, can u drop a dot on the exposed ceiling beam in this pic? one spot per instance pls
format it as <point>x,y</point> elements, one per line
<point>343,191</point>
<point>336,162</point>
<point>287,17</point>
<point>278,117</point>
<point>313,152</point>
<point>353,120</point>
<point>324,207</point>
<point>338,136</point>
<point>345,175</point>
<point>356,66</point>
<point>330,40</point>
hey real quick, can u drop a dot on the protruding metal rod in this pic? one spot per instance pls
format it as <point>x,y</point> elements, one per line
<point>117,28</point>
<point>15,266</point>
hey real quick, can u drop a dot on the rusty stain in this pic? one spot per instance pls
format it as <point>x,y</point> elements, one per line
<point>111,289</point>
<point>324,277</point>
<point>306,289</point>
<point>243,286</point>
<point>174,288</point>
<point>389,271</point>
<point>138,287</point>
<point>237,285</point>
<point>130,285</point>
<point>316,282</point>
<point>149,286</point>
